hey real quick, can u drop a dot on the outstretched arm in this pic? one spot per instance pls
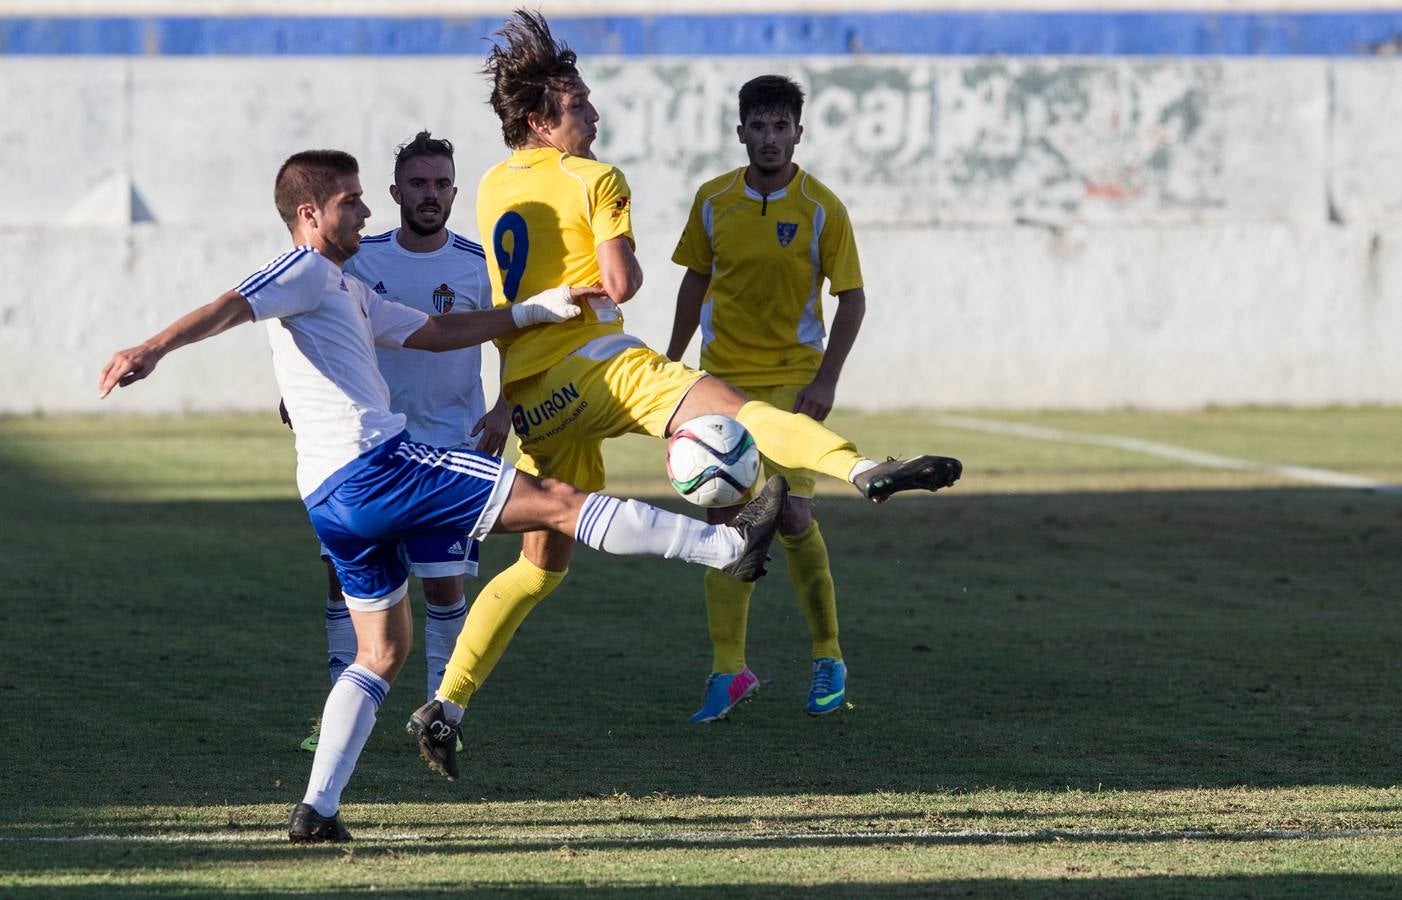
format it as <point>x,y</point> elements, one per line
<point>817,397</point>
<point>690,295</point>
<point>468,329</point>
<point>133,364</point>
<point>457,330</point>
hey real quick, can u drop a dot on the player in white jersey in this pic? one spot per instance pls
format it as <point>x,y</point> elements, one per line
<point>367,486</point>
<point>423,265</point>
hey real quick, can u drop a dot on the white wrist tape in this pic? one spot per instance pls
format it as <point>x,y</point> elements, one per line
<point>543,307</point>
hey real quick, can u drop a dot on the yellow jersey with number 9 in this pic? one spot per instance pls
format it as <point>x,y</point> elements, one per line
<point>541,214</point>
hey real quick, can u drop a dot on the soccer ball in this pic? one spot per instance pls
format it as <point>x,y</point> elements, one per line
<point>712,461</point>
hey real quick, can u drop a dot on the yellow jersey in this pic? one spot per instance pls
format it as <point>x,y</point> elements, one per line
<point>541,214</point>
<point>762,318</point>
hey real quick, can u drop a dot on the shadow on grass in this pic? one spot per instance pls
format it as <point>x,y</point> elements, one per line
<point>1126,641</point>
<point>1155,886</point>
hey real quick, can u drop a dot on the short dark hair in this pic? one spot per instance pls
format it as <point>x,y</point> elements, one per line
<point>529,70</point>
<point>771,93</point>
<point>310,177</point>
<point>423,144</point>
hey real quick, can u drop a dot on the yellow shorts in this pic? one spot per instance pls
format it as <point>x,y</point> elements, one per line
<point>801,481</point>
<point>563,415</point>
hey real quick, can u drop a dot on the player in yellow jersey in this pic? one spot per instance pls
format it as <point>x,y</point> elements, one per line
<point>551,214</point>
<point>758,245</point>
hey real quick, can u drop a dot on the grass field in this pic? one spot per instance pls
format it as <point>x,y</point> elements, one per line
<point>1086,671</point>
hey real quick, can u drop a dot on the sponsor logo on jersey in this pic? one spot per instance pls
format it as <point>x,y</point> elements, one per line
<point>443,297</point>
<point>343,286</point>
<point>523,420</point>
<point>379,288</point>
<point>620,206</point>
<point>786,231</point>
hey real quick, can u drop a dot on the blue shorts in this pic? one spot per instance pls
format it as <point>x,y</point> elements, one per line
<point>438,555</point>
<point>441,555</point>
<point>398,493</point>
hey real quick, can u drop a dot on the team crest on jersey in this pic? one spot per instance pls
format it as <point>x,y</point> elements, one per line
<point>443,298</point>
<point>786,230</point>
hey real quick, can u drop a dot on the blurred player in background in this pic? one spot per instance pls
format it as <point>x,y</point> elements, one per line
<point>423,265</point>
<point>552,214</point>
<point>367,486</point>
<point>758,245</point>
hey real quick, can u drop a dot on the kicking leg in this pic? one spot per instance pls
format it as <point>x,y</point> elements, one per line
<point>608,524</point>
<point>798,442</point>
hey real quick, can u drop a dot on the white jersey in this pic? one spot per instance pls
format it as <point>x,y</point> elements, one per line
<point>439,393</point>
<point>324,327</point>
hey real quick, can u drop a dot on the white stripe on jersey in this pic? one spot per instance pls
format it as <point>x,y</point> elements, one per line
<point>452,460</point>
<point>260,279</point>
<point>810,324</point>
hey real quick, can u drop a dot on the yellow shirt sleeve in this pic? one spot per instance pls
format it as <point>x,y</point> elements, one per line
<point>838,250</point>
<point>694,248</point>
<point>613,212</point>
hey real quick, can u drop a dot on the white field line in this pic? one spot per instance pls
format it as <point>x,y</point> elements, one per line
<point>1167,451</point>
<point>263,836</point>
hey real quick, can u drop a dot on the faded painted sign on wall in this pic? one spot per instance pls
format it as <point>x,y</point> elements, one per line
<point>991,141</point>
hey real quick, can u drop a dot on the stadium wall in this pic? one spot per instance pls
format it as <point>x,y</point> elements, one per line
<point>1081,210</point>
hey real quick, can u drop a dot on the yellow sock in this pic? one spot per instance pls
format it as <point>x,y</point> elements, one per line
<point>491,624</point>
<point>798,442</point>
<point>812,581</point>
<point>728,615</point>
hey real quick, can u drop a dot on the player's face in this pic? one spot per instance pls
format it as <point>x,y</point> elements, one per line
<point>769,138</point>
<point>336,226</point>
<point>425,194</point>
<point>576,130</point>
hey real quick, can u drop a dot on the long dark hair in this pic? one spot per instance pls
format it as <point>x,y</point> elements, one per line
<point>529,71</point>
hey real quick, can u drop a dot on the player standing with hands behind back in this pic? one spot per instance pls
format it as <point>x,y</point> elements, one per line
<point>757,246</point>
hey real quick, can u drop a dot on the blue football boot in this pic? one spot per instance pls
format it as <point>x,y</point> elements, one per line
<point>829,688</point>
<point>723,691</point>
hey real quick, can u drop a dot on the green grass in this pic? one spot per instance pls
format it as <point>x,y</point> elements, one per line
<point>1084,671</point>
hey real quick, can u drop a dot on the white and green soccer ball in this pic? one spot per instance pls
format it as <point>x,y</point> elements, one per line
<point>712,461</point>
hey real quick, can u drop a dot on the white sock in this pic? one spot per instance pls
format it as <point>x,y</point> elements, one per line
<point>441,627</point>
<point>340,638</point>
<point>451,711</point>
<point>860,467</point>
<point>346,722</point>
<point>626,527</point>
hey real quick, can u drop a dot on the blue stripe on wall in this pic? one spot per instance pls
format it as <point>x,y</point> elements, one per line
<point>919,33</point>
